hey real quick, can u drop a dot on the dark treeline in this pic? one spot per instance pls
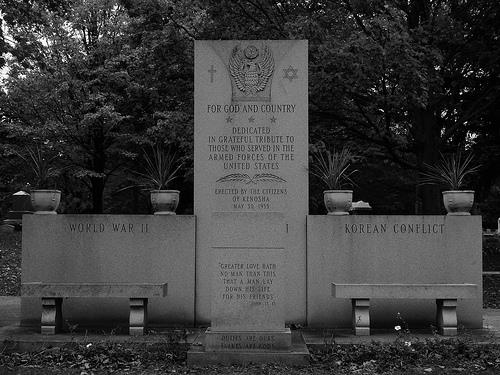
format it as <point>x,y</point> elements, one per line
<point>398,81</point>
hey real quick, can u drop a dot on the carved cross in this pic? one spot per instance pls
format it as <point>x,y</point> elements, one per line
<point>212,71</point>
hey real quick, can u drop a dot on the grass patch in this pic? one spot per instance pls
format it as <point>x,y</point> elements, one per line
<point>491,291</point>
<point>10,263</point>
<point>409,355</point>
<point>491,253</point>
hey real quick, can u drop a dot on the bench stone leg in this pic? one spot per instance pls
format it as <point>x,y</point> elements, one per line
<point>361,316</point>
<point>138,316</point>
<point>447,316</point>
<point>51,321</point>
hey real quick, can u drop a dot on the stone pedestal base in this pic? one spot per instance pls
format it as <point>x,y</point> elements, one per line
<point>51,316</point>
<point>248,341</point>
<point>138,318</point>
<point>446,316</point>
<point>210,348</point>
<point>361,316</point>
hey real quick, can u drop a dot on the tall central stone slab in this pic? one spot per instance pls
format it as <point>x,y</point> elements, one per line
<point>250,156</point>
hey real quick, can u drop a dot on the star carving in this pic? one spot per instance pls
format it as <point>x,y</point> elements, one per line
<point>290,73</point>
<point>229,119</point>
<point>273,119</point>
<point>251,119</point>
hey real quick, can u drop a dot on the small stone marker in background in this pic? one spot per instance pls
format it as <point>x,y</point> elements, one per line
<point>21,204</point>
<point>360,208</point>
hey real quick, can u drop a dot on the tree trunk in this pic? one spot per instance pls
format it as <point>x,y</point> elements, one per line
<point>426,132</point>
<point>97,195</point>
<point>98,183</point>
<point>427,139</point>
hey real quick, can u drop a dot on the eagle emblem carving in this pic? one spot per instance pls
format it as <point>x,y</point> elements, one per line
<point>251,70</point>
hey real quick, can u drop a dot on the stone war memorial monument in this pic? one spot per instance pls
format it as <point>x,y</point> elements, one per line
<point>251,261</point>
<point>251,150</point>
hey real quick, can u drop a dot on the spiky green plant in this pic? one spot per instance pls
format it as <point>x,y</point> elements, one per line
<point>41,164</point>
<point>160,168</point>
<point>333,168</point>
<point>452,171</point>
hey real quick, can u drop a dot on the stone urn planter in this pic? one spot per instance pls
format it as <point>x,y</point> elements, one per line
<point>164,202</point>
<point>45,202</point>
<point>458,202</point>
<point>338,202</point>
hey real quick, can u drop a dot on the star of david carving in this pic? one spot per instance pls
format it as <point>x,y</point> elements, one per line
<point>290,73</point>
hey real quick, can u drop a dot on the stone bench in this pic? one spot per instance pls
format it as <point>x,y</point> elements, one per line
<point>446,296</point>
<point>52,295</point>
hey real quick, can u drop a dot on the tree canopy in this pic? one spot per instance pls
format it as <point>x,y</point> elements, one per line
<point>398,81</point>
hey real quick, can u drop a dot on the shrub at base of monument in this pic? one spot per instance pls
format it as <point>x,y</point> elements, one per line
<point>452,172</point>
<point>45,202</point>
<point>333,169</point>
<point>164,202</point>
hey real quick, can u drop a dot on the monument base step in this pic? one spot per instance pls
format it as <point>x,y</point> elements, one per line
<point>298,355</point>
<point>230,341</point>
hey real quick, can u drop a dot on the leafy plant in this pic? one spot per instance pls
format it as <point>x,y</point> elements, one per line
<point>160,168</point>
<point>333,167</point>
<point>451,171</point>
<point>42,164</point>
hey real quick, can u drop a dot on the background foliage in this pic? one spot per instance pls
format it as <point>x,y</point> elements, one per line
<point>399,82</point>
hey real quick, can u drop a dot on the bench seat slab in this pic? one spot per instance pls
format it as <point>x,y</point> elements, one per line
<point>140,290</point>
<point>406,291</point>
